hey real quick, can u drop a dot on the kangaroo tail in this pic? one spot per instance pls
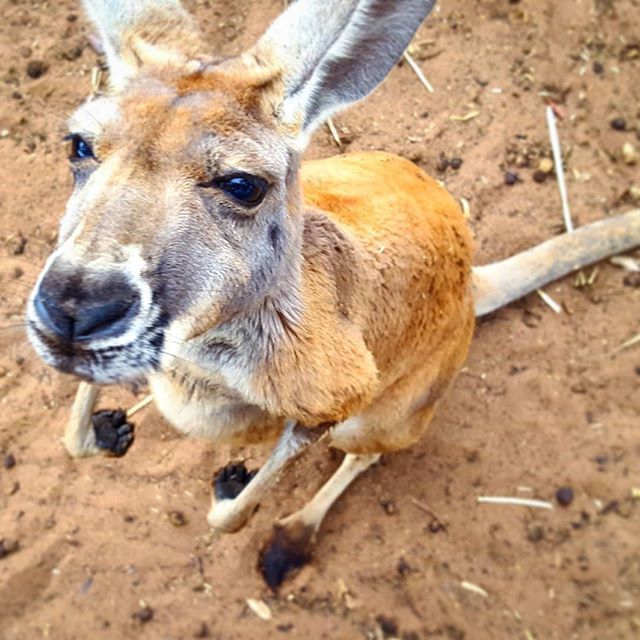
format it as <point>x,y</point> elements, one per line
<point>497,284</point>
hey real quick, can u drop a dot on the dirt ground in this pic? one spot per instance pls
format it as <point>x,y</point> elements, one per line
<point>544,402</point>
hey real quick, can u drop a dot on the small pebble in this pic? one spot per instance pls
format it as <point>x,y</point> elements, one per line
<point>629,153</point>
<point>388,626</point>
<point>36,68</point>
<point>144,614</point>
<point>540,176</point>
<point>443,163</point>
<point>25,52</point>
<point>511,178</point>
<point>564,496</point>
<point>545,165</point>
<point>598,68</point>
<point>455,163</point>
<point>72,17</point>
<point>9,461</point>
<point>202,631</point>
<point>435,526</point>
<point>177,518</point>
<point>535,534</point>
<point>7,547</point>
<point>637,370</point>
<point>632,279</point>
<point>5,133</point>
<point>619,124</point>
<point>388,505</point>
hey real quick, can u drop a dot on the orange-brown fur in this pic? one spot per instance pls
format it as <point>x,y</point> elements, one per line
<point>387,254</point>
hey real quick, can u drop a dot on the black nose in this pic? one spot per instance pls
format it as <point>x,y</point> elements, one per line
<point>80,308</point>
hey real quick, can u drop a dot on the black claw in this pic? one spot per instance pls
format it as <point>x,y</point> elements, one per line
<point>113,433</point>
<point>229,481</point>
<point>287,551</point>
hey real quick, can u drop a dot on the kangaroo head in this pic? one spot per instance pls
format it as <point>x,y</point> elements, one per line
<point>186,206</point>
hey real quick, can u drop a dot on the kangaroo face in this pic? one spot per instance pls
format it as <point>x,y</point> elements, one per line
<point>186,209</point>
<point>179,216</point>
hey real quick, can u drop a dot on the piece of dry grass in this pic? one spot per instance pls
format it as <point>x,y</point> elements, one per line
<point>260,608</point>
<point>549,301</point>
<point>334,133</point>
<point>415,67</point>
<point>474,588</point>
<point>554,138</point>
<point>518,502</point>
<point>139,406</point>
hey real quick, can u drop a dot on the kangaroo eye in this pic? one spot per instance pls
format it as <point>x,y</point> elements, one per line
<point>249,190</point>
<point>80,148</point>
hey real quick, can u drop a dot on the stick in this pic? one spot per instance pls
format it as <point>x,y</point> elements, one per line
<point>557,159</point>
<point>418,71</point>
<point>334,133</point>
<point>520,502</point>
<point>139,406</point>
<point>549,301</point>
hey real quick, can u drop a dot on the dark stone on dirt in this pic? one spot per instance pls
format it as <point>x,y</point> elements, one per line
<point>389,506</point>
<point>285,628</point>
<point>598,68</point>
<point>72,17</point>
<point>632,279</point>
<point>403,568</point>
<point>36,68</point>
<point>511,178</point>
<point>113,433</point>
<point>9,461</point>
<point>143,615</point>
<point>564,496</point>
<point>540,176</point>
<point>177,518</point>
<point>619,124</point>
<point>531,319</point>
<point>7,547</point>
<point>435,526</point>
<point>388,626</point>
<point>455,163</point>
<point>73,53</point>
<point>535,534</point>
<point>202,631</point>
<point>637,370</point>
<point>19,245</point>
<point>229,481</point>
<point>443,163</point>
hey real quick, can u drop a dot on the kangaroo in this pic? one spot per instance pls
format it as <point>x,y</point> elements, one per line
<point>264,299</point>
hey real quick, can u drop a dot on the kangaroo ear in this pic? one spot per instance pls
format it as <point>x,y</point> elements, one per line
<point>330,53</point>
<point>139,33</point>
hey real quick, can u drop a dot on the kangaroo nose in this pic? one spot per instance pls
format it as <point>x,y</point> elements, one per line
<point>76,312</point>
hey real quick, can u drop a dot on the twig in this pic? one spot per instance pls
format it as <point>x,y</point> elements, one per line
<point>520,502</point>
<point>139,406</point>
<point>557,160</point>
<point>418,71</point>
<point>469,586</point>
<point>428,510</point>
<point>549,301</point>
<point>629,343</point>
<point>334,133</point>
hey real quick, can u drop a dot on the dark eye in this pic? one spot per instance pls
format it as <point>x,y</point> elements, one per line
<point>80,148</point>
<point>249,190</point>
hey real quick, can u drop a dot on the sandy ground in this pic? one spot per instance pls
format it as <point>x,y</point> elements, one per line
<point>544,401</point>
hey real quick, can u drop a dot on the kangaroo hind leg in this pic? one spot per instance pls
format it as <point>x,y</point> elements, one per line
<point>293,537</point>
